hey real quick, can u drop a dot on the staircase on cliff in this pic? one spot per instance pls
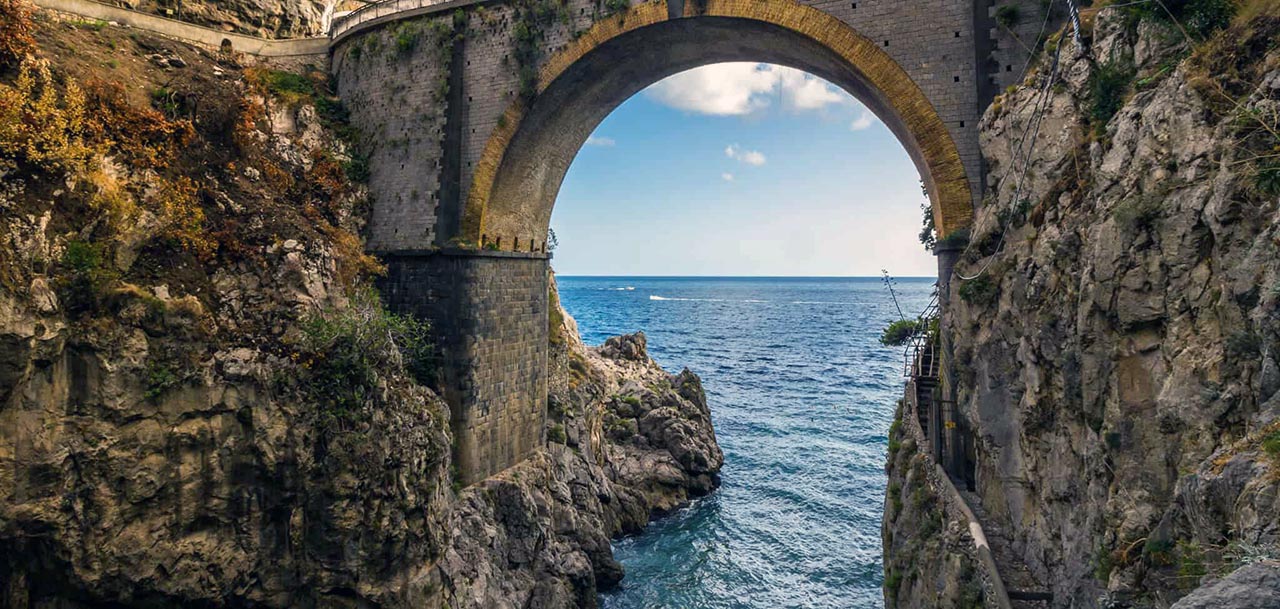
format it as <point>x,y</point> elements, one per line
<point>924,368</point>
<point>1025,591</point>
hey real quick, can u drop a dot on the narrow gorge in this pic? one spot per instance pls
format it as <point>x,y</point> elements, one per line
<point>242,362</point>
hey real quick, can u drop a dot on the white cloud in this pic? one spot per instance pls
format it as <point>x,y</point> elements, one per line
<point>750,157</point>
<point>806,92</point>
<point>726,176</point>
<point>607,142</point>
<point>864,121</point>
<point>728,89</point>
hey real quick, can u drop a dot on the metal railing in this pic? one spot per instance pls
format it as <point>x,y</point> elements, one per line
<point>922,344</point>
<point>993,587</point>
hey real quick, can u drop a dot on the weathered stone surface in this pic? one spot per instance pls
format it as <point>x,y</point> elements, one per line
<point>1255,586</point>
<point>1113,356</point>
<point>164,446</point>
<point>263,18</point>
<point>460,145</point>
<point>537,535</point>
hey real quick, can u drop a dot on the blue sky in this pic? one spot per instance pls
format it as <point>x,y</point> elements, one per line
<point>741,169</point>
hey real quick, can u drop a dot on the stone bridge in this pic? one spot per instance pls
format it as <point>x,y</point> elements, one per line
<point>473,112</point>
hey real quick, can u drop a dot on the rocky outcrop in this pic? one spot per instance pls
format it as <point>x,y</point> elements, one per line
<point>161,439</point>
<point>262,18</point>
<point>626,442</point>
<point>1256,586</point>
<point>928,553</point>
<point>199,401</point>
<point>1116,354</point>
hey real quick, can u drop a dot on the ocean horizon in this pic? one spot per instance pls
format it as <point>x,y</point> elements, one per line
<point>802,395</point>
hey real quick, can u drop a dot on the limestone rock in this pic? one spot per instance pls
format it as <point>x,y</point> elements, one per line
<point>1255,586</point>
<point>1116,361</point>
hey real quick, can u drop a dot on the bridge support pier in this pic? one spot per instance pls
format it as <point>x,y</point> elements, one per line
<point>488,312</point>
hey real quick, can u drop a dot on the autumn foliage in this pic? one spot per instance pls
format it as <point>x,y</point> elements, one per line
<point>16,29</point>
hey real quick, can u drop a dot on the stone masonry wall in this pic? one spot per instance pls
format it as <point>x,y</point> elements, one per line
<point>394,96</point>
<point>489,319</point>
<point>396,93</point>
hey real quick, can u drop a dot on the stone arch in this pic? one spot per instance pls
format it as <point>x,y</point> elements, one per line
<point>518,175</point>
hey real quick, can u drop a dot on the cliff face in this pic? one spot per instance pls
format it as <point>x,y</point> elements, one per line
<point>1116,358</point>
<point>626,441</point>
<point>262,18</point>
<point>201,402</point>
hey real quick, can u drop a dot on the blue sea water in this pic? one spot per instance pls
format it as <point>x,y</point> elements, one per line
<point>802,395</point>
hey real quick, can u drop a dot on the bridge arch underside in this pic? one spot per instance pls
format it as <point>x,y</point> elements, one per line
<point>527,157</point>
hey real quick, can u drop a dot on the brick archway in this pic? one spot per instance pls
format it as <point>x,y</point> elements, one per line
<point>527,155</point>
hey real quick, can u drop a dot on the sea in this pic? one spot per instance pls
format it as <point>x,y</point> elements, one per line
<point>802,395</point>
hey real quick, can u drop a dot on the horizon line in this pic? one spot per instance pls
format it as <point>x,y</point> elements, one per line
<point>588,276</point>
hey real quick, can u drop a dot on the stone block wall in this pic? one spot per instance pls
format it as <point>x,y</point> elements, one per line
<point>952,49</point>
<point>397,93</point>
<point>1005,59</point>
<point>488,312</point>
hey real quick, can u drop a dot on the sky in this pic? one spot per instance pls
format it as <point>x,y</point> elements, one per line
<point>741,169</point>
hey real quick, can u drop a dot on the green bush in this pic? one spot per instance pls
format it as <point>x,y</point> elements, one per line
<point>556,434</point>
<point>1008,16</point>
<point>160,378</point>
<point>1191,564</point>
<point>1108,86</point>
<point>1267,179</point>
<point>928,236</point>
<point>1200,18</point>
<point>286,84</point>
<point>1103,563</point>
<point>357,168</point>
<point>1158,551</point>
<point>980,291</point>
<point>901,332</point>
<point>406,37</point>
<point>1271,445</point>
<point>85,277</point>
<point>892,581</point>
<point>348,349</point>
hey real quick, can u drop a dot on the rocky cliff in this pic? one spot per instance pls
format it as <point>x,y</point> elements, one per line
<point>1115,351</point>
<point>201,401</point>
<point>261,18</point>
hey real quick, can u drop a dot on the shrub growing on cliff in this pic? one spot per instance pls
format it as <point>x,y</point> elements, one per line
<point>348,349</point>
<point>980,291</point>
<point>1008,16</point>
<point>84,277</point>
<point>1271,446</point>
<point>40,124</point>
<point>1108,86</point>
<point>556,434</point>
<point>1198,18</point>
<point>901,332</point>
<point>1267,179</point>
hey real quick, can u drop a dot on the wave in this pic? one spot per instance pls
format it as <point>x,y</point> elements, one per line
<point>652,297</point>
<point>827,302</point>
<point>751,300</point>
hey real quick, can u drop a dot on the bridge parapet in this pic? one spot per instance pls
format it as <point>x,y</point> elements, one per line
<point>383,11</point>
